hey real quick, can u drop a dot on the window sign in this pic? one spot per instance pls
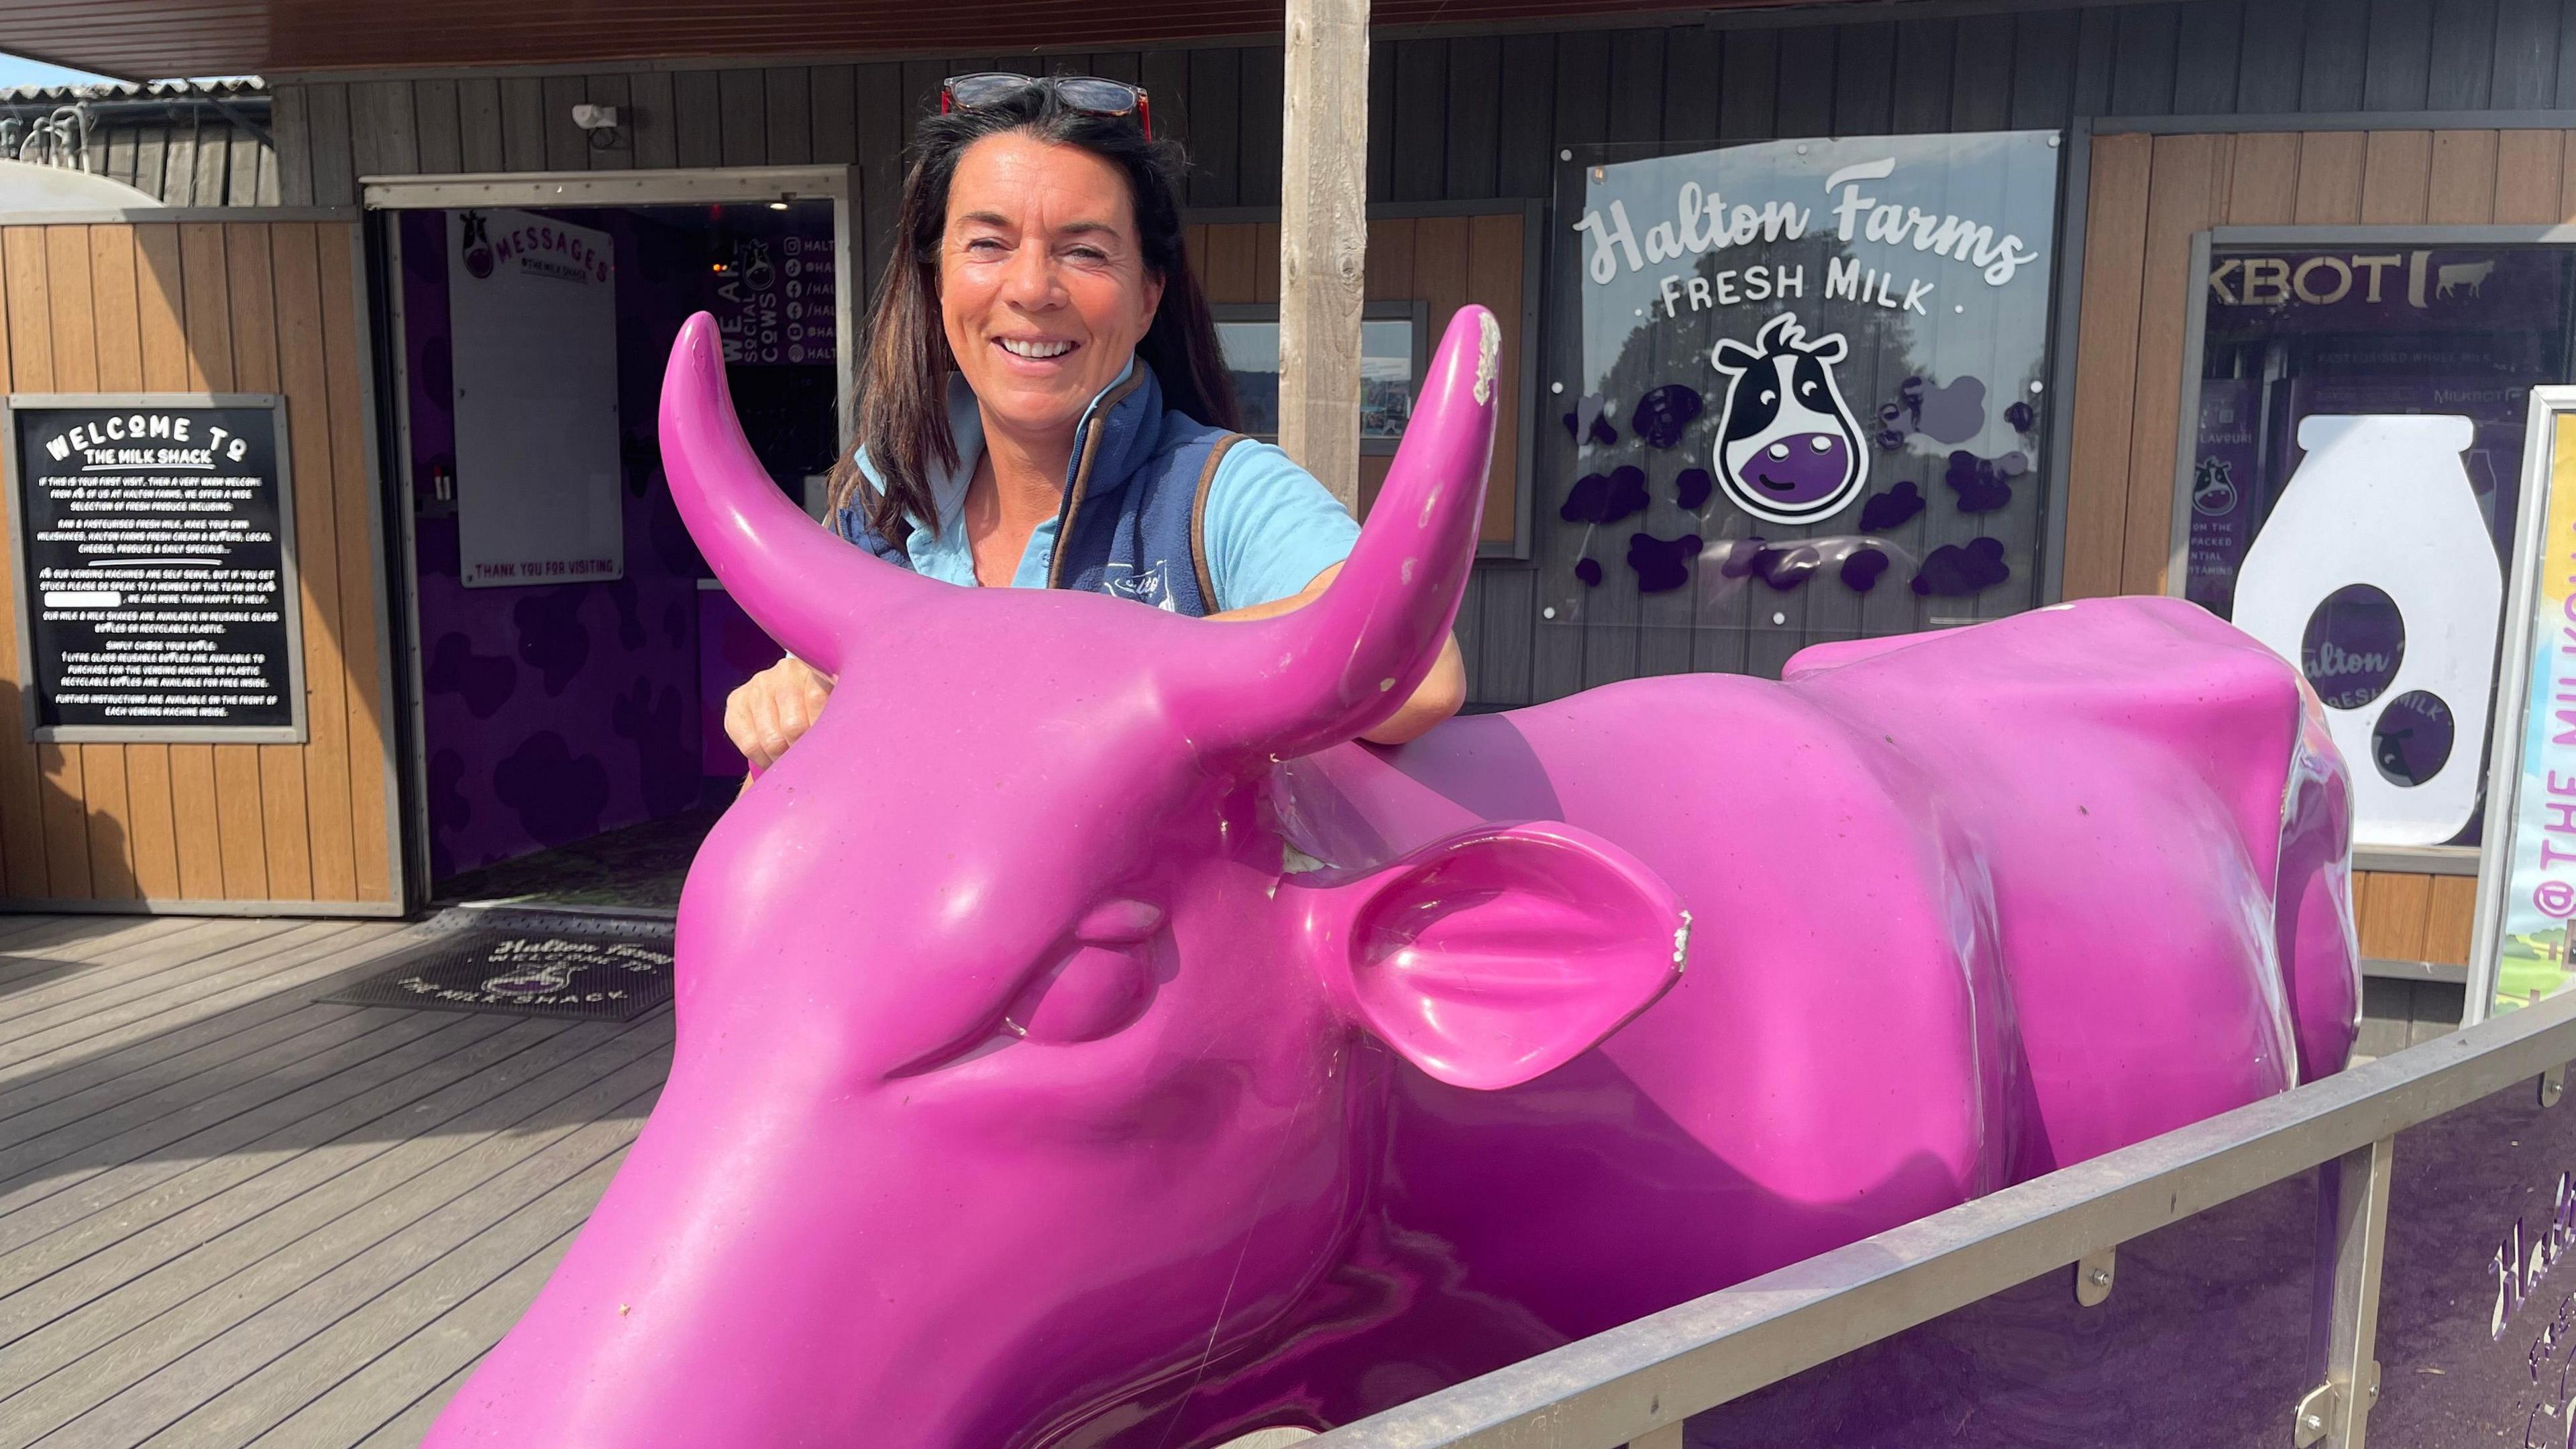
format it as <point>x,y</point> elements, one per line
<point>2521,946</point>
<point>1798,389</point>
<point>1391,337</point>
<point>2352,491</point>
<point>156,581</point>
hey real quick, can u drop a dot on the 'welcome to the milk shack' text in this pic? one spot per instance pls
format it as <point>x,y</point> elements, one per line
<point>1703,222</point>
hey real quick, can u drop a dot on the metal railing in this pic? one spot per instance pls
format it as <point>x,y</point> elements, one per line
<point>1635,1384</point>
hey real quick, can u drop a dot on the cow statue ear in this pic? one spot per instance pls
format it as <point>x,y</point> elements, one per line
<point>1496,955</point>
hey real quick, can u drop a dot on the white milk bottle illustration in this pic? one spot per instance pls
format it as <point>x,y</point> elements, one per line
<point>2376,576</point>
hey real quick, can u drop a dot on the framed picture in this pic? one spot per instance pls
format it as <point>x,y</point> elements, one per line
<point>2519,951</point>
<point>1395,345</point>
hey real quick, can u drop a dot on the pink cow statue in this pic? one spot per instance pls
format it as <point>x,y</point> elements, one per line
<point>1082,1041</point>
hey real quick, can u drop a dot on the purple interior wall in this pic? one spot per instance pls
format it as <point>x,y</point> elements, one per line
<point>555,711</point>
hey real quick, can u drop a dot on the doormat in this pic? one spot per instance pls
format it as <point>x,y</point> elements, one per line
<point>526,963</point>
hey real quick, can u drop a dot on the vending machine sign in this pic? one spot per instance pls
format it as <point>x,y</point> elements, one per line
<point>155,585</point>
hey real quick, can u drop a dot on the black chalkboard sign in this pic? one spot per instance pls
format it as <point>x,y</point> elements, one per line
<point>156,598</point>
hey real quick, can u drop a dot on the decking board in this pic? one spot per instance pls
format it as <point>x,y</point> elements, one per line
<point>232,1214</point>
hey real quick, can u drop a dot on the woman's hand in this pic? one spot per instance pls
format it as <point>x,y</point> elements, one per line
<point>774,708</point>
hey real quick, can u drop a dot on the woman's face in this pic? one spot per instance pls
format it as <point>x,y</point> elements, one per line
<point>1042,284</point>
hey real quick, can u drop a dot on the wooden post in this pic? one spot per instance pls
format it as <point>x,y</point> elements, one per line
<point>1323,239</point>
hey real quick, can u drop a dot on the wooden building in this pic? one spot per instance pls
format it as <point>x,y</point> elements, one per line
<point>2173,133</point>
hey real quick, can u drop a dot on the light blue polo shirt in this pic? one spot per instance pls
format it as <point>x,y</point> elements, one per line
<point>1270,527</point>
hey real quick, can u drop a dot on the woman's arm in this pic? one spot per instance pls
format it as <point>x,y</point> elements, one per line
<point>1443,691</point>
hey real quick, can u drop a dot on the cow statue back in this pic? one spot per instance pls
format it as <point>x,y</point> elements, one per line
<point>1082,1041</point>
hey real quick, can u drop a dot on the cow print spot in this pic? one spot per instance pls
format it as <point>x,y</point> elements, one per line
<point>1660,415</point>
<point>1592,418</point>
<point>2021,417</point>
<point>486,681</point>
<point>1891,440</point>
<point>552,637</point>
<point>1588,570</point>
<point>1740,557</point>
<point>1861,568</point>
<point>1599,499</point>
<point>448,807</point>
<point>1951,414</point>
<point>558,795</point>
<point>672,545</point>
<point>1788,567</point>
<point>1692,488</point>
<point>1955,571</point>
<point>1981,483</point>
<point>675,622</point>
<point>630,616</point>
<point>1890,509</point>
<point>1662,565</point>
<point>667,763</point>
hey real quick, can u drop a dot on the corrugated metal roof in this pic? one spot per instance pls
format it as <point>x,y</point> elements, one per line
<point>240,37</point>
<point>249,87</point>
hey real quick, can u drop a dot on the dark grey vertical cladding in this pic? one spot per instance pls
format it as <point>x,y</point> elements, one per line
<point>2463,55</point>
<point>2335,61</point>
<point>835,136</point>
<point>615,150</point>
<point>152,159</point>
<point>567,145</point>
<point>2526,54</point>
<point>697,121</point>
<point>1981,74</point>
<point>2564,88</point>
<point>1581,116</point>
<point>1474,114</point>
<point>1748,100</point>
<point>1926,63</point>
<point>2396,70</point>
<point>2142,72</point>
<point>2043,76</point>
<point>478,124</point>
<point>1694,59</point>
<point>1381,136</point>
<point>1421,120</point>
<point>1263,80</point>
<point>788,120</point>
<point>1119,65</point>
<point>2096,47</point>
<point>335,173</point>
<point>1526,157</point>
<point>651,123</point>
<point>880,98</point>
<point>2273,57</point>
<point>523,123</point>
<point>213,155</point>
<point>742,117</point>
<point>2209,40</point>
<point>288,121</point>
<point>1804,102</point>
<point>1636,85</point>
<point>436,122</point>
<point>1216,126</point>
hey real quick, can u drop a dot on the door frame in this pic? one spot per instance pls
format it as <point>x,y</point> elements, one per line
<point>684,186</point>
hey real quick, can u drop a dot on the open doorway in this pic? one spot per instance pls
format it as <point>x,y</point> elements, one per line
<point>571,650</point>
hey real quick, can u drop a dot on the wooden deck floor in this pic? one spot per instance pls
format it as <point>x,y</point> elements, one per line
<point>231,1216</point>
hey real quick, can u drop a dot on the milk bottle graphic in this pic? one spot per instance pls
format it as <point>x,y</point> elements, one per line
<point>2376,575</point>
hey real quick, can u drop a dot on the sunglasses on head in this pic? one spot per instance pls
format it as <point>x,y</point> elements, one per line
<point>1088,94</point>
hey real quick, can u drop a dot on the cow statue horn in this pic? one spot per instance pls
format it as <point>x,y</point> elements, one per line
<point>1320,675</point>
<point>807,588</point>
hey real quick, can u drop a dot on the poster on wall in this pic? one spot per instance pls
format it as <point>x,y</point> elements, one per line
<point>1799,387</point>
<point>532,309</point>
<point>150,540</point>
<point>775,299</point>
<point>2521,948</point>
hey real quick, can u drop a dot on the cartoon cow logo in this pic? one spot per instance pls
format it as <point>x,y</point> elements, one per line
<point>1788,450</point>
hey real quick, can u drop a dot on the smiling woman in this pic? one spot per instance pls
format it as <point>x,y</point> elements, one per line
<point>1043,402</point>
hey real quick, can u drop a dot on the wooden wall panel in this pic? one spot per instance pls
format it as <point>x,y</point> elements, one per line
<point>217,307</point>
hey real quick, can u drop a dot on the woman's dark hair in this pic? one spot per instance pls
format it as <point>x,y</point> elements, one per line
<point>902,399</point>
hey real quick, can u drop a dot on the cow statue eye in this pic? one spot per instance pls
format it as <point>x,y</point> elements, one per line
<point>1101,983</point>
<point>1769,397</point>
<point>1807,389</point>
